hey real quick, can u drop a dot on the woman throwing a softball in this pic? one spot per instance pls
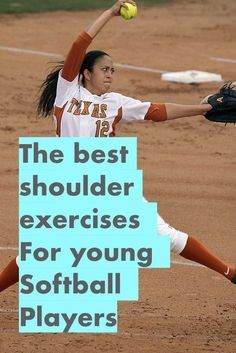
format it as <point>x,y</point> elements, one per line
<point>77,94</point>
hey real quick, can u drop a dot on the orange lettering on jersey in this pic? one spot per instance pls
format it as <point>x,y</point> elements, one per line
<point>95,111</point>
<point>77,110</point>
<point>103,111</point>
<point>74,102</point>
<point>85,111</point>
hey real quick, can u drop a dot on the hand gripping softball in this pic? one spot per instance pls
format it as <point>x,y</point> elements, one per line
<point>223,104</point>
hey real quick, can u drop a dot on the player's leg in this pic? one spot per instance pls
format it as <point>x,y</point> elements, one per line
<point>192,249</point>
<point>196,251</point>
<point>10,275</point>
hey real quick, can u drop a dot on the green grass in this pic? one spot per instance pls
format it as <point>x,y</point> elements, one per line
<point>19,6</point>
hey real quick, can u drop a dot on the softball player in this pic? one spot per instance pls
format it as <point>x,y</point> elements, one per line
<point>77,94</point>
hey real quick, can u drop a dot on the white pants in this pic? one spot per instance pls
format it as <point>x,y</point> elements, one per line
<point>178,239</point>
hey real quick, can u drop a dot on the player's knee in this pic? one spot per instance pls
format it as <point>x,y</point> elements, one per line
<point>178,239</point>
<point>178,242</point>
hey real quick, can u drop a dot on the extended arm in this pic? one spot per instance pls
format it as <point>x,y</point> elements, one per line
<point>169,111</point>
<point>176,111</point>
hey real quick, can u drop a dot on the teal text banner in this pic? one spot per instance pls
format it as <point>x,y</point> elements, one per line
<point>85,231</point>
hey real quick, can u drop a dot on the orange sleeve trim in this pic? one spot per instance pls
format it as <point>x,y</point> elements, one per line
<point>116,121</point>
<point>156,112</point>
<point>58,114</point>
<point>85,36</point>
<point>75,57</point>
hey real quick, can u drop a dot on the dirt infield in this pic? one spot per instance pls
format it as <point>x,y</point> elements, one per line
<point>189,168</point>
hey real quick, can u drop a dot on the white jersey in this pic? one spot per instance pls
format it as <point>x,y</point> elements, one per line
<point>79,113</point>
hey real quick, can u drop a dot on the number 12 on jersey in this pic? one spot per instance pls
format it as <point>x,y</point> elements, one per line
<point>102,127</point>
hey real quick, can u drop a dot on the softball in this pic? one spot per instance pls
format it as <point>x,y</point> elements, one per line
<point>129,13</point>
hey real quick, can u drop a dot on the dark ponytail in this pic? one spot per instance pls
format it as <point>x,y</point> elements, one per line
<point>48,91</point>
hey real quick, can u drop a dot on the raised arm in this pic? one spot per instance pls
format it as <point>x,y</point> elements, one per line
<point>98,24</point>
<point>76,54</point>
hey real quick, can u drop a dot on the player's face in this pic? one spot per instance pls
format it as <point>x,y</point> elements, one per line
<point>100,79</point>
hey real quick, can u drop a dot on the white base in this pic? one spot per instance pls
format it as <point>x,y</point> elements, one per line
<point>191,76</point>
